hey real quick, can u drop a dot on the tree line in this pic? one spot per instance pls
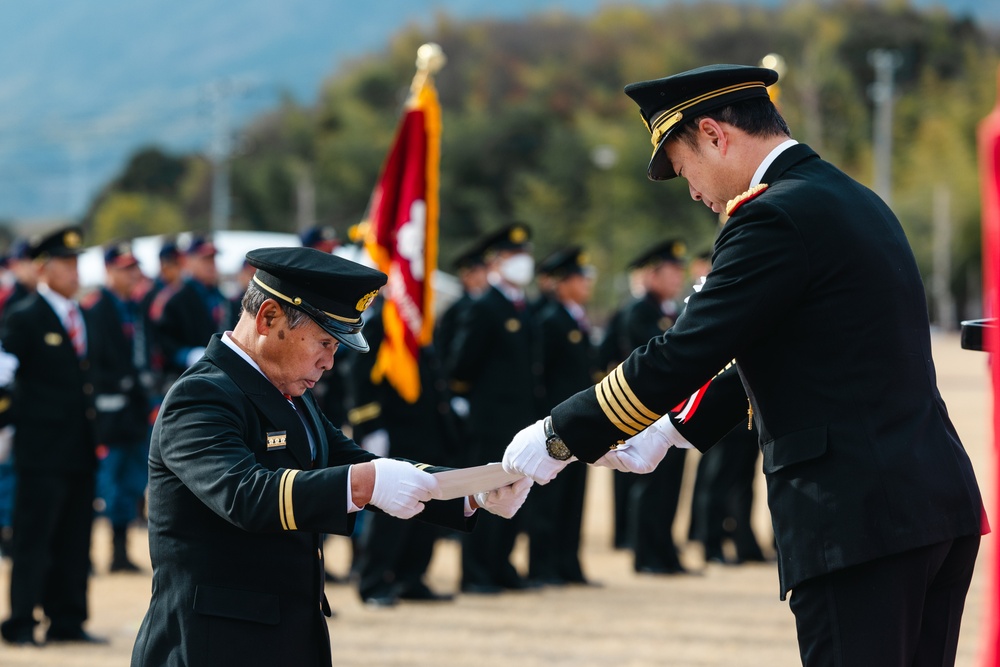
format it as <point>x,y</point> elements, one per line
<point>537,129</point>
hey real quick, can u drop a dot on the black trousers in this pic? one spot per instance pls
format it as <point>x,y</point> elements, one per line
<point>653,506</point>
<point>396,555</point>
<point>903,610</point>
<point>554,519</point>
<point>53,515</point>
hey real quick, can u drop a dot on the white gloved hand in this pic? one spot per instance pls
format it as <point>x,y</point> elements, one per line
<point>401,489</point>
<point>644,451</point>
<point>526,455</point>
<point>506,500</point>
<point>8,367</point>
<point>376,442</point>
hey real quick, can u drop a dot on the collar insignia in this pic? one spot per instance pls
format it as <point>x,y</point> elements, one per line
<point>736,202</point>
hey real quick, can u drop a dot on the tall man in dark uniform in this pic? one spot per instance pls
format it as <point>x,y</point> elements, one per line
<point>653,499</point>
<point>815,293</point>
<point>53,449</point>
<point>395,554</point>
<point>556,510</point>
<point>196,311</point>
<point>246,475</point>
<point>119,362</point>
<point>496,361</point>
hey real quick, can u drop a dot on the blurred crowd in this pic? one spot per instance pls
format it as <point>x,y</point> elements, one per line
<point>83,373</point>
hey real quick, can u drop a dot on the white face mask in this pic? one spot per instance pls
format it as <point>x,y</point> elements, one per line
<point>518,269</point>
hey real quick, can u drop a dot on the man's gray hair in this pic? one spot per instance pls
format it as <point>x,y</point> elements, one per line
<point>255,297</point>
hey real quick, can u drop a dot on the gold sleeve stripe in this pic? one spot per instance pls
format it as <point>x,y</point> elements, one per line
<point>364,413</point>
<point>619,376</point>
<point>285,508</point>
<point>616,399</point>
<point>610,413</point>
<point>422,466</point>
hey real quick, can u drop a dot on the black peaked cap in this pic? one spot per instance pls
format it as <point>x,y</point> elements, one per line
<point>672,250</point>
<point>64,242</point>
<point>666,104</point>
<point>332,290</point>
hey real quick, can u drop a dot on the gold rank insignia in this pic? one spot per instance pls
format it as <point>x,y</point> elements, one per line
<point>71,239</point>
<point>52,338</point>
<point>366,301</point>
<point>513,325</point>
<point>736,202</point>
<point>276,440</point>
<point>575,336</point>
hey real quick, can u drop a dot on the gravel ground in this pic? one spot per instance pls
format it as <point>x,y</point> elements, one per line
<point>723,615</point>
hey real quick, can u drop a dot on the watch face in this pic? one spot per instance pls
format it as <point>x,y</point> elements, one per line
<point>557,449</point>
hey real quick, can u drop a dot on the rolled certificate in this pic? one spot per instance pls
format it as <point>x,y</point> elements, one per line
<point>462,482</point>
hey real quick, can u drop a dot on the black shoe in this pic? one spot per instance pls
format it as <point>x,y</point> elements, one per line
<point>123,565</point>
<point>18,637</point>
<point>381,601</point>
<point>422,593</point>
<point>77,635</point>
<point>665,569</point>
<point>481,589</point>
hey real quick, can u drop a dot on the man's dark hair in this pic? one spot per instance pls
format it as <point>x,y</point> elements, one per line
<point>255,297</point>
<point>756,117</point>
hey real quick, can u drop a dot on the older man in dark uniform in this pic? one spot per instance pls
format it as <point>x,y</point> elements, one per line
<point>246,475</point>
<point>53,449</point>
<point>815,293</point>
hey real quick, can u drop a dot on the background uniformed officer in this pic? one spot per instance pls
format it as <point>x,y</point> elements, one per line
<point>53,448</point>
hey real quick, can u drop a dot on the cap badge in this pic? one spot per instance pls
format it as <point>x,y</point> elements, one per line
<point>366,301</point>
<point>518,235</point>
<point>583,259</point>
<point>678,249</point>
<point>72,240</point>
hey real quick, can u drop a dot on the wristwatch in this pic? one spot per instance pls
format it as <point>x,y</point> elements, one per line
<point>554,445</point>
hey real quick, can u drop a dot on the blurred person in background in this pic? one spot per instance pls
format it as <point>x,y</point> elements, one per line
<point>24,279</point>
<point>653,498</point>
<point>495,361</point>
<point>53,449</point>
<point>555,511</point>
<point>119,359</point>
<point>394,555</point>
<point>197,310</point>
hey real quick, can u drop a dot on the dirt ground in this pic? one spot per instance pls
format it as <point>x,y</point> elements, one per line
<point>724,615</point>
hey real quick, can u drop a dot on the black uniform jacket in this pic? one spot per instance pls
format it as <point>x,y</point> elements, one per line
<point>121,400</point>
<point>815,293</point>
<point>53,396</point>
<point>186,321</point>
<point>236,513</point>
<point>570,358</point>
<point>495,360</point>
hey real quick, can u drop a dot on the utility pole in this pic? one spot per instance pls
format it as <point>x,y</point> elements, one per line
<point>219,94</point>
<point>885,62</point>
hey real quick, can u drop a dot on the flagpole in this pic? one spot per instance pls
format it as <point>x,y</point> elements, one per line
<point>430,60</point>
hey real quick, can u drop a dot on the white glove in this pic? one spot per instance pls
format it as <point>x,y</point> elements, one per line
<point>506,500</point>
<point>193,355</point>
<point>460,406</point>
<point>644,451</point>
<point>376,442</point>
<point>400,489</point>
<point>8,367</point>
<point>526,455</point>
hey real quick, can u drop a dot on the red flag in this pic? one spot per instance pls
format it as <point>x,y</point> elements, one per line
<point>402,239</point>
<point>989,165</point>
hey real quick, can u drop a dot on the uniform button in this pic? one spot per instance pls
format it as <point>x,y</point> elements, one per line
<point>88,389</point>
<point>84,365</point>
<point>91,413</point>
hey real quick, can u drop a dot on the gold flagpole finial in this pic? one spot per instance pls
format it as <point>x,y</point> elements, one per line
<point>430,60</point>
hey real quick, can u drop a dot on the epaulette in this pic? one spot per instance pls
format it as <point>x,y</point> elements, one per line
<point>736,202</point>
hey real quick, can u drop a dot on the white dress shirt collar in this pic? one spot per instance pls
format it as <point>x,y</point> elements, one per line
<point>771,157</point>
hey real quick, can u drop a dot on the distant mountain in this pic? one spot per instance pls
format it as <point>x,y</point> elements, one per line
<point>85,84</point>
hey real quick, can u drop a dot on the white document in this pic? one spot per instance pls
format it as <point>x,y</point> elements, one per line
<point>463,482</point>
